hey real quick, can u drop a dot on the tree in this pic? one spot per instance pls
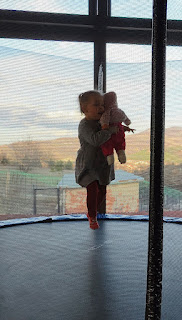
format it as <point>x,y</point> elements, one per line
<point>60,165</point>
<point>68,165</point>
<point>56,165</point>
<point>4,160</point>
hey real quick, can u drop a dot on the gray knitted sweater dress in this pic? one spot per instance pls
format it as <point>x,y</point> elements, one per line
<point>91,164</point>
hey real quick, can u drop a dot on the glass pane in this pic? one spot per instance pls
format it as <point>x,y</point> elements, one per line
<point>132,8</point>
<point>143,9</point>
<point>173,143</point>
<point>55,6</point>
<point>174,10</point>
<point>40,84</point>
<point>129,75</point>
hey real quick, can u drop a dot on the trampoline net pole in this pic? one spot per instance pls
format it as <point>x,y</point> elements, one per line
<point>155,246</point>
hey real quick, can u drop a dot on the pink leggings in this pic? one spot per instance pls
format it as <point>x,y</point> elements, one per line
<point>95,196</point>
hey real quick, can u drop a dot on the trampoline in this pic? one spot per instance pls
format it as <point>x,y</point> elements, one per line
<point>64,270</point>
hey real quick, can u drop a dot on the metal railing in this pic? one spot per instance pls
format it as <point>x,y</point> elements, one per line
<point>35,189</point>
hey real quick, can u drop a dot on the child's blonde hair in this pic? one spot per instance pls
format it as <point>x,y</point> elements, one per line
<point>84,98</point>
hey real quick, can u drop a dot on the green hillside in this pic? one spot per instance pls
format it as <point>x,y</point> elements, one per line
<point>169,157</point>
<point>142,155</point>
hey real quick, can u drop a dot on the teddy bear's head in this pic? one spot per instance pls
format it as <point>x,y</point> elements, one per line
<point>110,100</point>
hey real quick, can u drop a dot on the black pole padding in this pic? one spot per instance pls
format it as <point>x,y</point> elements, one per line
<point>155,247</point>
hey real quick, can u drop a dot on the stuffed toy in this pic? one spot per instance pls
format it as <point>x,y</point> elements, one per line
<point>113,116</point>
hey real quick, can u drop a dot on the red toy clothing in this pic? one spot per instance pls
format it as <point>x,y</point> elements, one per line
<point>117,141</point>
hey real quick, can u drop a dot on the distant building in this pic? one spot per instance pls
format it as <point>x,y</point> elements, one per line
<point>122,194</point>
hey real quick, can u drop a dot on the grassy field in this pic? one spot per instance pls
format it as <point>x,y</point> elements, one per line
<point>33,178</point>
<point>142,155</point>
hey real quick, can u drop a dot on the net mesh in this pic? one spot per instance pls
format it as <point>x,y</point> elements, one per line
<point>40,84</point>
<point>41,81</point>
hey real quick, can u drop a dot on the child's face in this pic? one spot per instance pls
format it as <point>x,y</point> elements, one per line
<point>94,108</point>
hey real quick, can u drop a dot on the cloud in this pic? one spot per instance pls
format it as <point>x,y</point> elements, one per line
<point>24,115</point>
<point>56,6</point>
<point>131,53</point>
<point>67,49</point>
<point>39,92</point>
<point>34,132</point>
<point>116,53</point>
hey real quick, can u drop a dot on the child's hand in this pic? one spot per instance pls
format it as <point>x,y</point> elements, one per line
<point>128,129</point>
<point>132,130</point>
<point>127,122</point>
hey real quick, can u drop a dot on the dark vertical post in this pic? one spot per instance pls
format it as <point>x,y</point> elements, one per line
<point>93,7</point>
<point>154,278</point>
<point>104,8</point>
<point>34,201</point>
<point>109,8</point>
<point>100,44</point>
<point>99,59</point>
<point>58,198</point>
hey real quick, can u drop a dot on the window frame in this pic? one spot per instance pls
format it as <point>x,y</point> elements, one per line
<point>98,27</point>
<point>74,27</point>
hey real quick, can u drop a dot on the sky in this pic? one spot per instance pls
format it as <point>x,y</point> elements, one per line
<point>54,6</point>
<point>40,80</point>
<point>129,8</point>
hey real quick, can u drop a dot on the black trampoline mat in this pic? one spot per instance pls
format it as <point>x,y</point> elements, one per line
<point>64,271</point>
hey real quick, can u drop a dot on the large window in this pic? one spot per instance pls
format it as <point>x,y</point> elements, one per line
<point>129,74</point>
<point>40,83</point>
<point>42,72</point>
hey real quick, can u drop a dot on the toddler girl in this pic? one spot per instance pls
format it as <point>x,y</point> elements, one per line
<point>92,170</point>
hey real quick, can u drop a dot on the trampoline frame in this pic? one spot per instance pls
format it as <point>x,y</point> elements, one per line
<point>81,217</point>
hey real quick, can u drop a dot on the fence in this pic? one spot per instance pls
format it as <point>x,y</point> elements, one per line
<point>47,203</point>
<point>172,198</point>
<point>28,194</point>
<point>16,192</point>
